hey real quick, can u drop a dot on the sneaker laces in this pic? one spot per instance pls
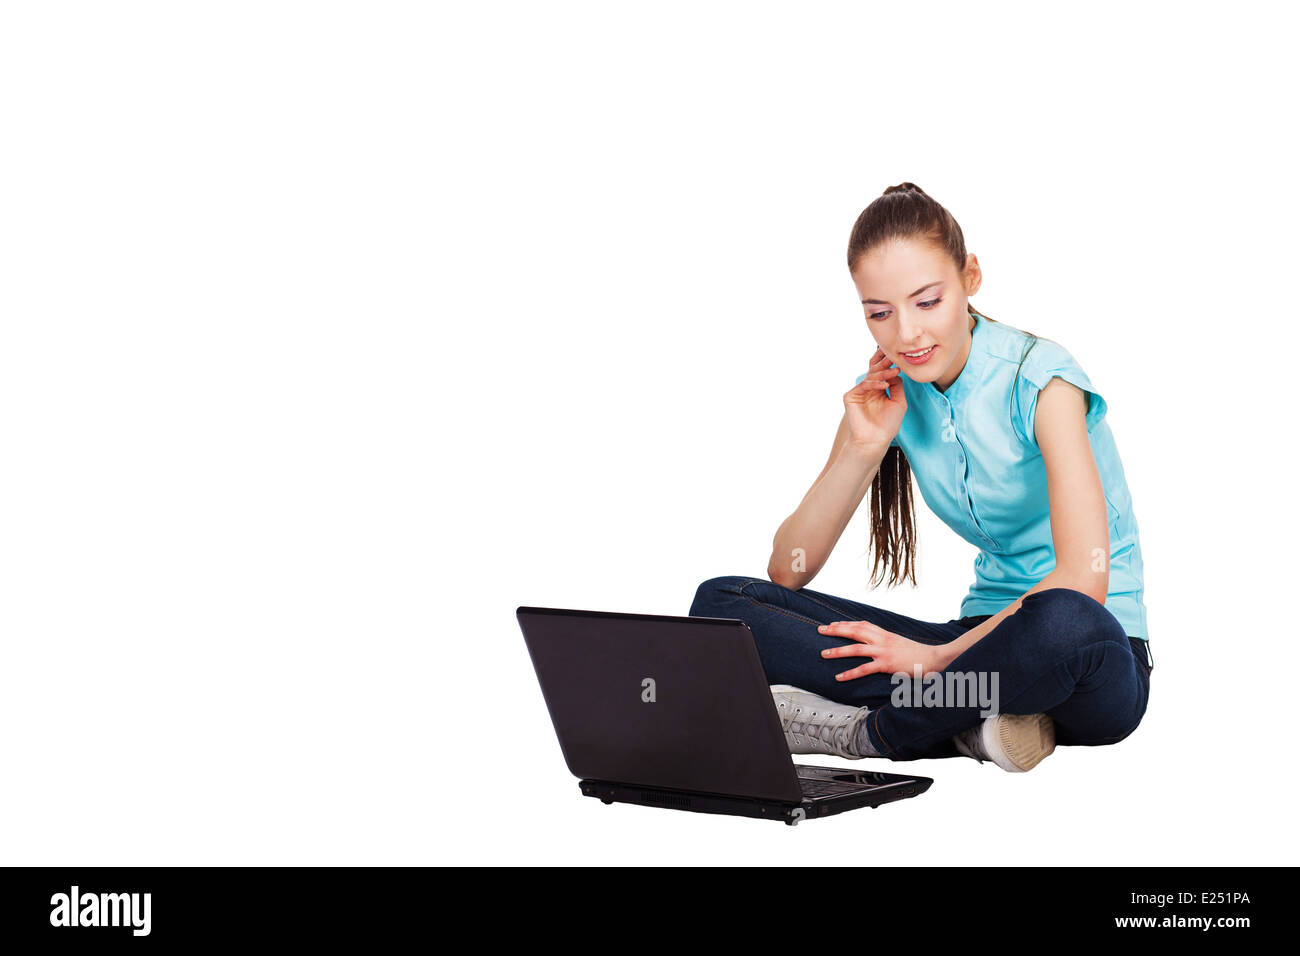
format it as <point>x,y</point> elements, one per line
<point>835,732</point>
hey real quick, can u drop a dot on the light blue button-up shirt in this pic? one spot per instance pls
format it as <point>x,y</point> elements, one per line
<point>977,463</point>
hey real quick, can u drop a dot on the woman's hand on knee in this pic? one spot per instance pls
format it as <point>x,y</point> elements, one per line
<point>890,653</point>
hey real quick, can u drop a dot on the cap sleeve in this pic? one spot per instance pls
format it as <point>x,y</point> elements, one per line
<point>1048,360</point>
<point>893,442</point>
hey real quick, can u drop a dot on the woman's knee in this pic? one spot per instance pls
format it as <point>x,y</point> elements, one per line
<point>1072,618</point>
<point>717,592</point>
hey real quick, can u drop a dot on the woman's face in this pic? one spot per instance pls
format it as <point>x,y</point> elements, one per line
<point>915,298</point>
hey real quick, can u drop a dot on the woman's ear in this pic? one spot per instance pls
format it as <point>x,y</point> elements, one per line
<point>974,277</point>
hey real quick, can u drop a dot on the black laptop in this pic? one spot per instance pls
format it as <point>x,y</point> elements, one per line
<point>676,712</point>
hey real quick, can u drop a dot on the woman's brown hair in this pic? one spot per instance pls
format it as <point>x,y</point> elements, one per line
<point>904,211</point>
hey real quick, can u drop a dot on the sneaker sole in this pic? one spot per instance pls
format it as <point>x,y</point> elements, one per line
<point>1019,742</point>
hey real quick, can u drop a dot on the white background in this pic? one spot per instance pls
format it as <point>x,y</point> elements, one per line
<point>334,332</point>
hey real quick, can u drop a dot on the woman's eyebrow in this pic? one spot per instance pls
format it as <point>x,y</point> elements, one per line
<point>913,295</point>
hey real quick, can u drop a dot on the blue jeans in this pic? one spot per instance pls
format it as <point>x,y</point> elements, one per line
<point>1061,654</point>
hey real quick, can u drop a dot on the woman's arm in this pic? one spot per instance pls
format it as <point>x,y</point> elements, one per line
<point>947,653</point>
<point>805,539</point>
<point>1077,502</point>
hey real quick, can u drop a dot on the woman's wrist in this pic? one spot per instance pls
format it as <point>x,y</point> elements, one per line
<point>868,454</point>
<point>942,655</point>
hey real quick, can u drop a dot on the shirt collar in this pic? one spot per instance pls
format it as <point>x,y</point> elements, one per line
<point>973,370</point>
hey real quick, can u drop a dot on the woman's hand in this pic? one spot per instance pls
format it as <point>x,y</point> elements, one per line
<point>873,418</point>
<point>890,653</point>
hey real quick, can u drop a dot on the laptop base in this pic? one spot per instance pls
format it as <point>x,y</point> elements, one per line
<point>866,789</point>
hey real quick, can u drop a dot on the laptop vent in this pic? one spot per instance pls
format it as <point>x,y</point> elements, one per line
<point>665,799</point>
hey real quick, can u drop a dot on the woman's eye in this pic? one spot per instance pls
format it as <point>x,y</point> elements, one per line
<point>925,305</point>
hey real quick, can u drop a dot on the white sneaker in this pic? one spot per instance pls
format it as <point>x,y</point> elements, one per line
<point>1015,742</point>
<point>815,725</point>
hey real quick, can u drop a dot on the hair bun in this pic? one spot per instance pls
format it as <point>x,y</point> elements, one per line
<point>903,187</point>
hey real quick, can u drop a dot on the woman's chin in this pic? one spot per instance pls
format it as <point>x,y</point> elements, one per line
<point>923,373</point>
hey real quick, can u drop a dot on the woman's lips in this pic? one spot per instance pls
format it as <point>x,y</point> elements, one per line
<point>923,359</point>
